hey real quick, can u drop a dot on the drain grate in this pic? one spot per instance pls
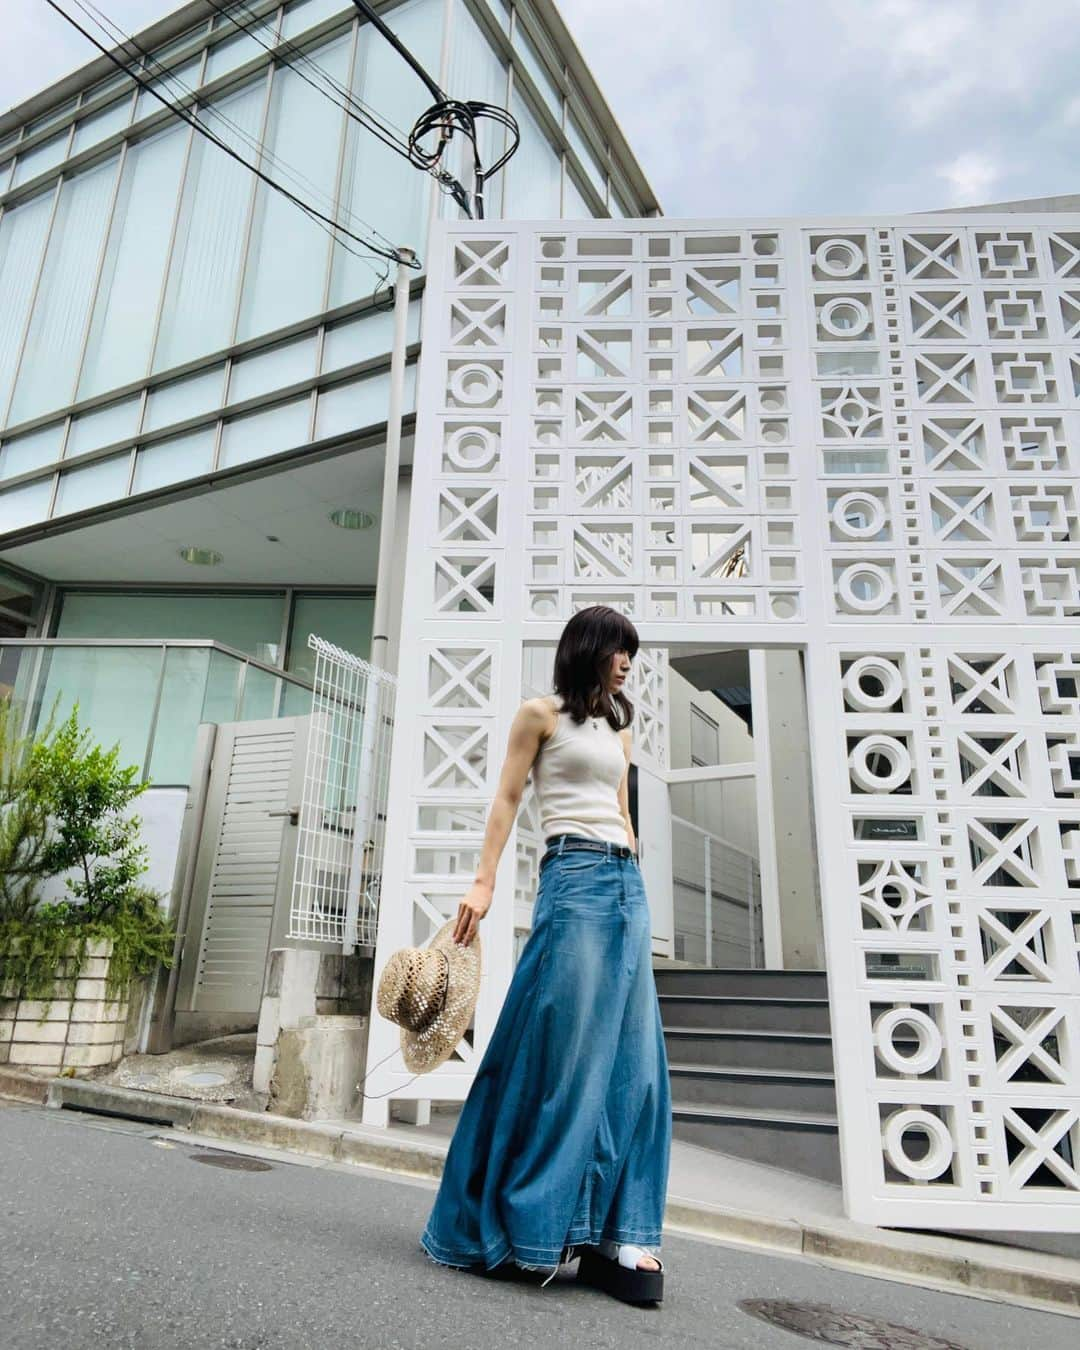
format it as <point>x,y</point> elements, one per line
<point>236,1162</point>
<point>818,1322</point>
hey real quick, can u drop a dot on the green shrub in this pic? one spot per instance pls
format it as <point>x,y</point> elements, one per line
<point>83,793</point>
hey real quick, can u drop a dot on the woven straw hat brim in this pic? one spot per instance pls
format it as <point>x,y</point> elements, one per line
<point>425,1050</point>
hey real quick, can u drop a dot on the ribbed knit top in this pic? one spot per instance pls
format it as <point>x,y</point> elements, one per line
<point>576,776</point>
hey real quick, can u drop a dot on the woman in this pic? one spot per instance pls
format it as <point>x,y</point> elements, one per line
<point>564,1139</point>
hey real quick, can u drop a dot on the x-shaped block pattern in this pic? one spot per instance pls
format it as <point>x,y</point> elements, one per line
<point>603,415</point>
<point>716,415</point>
<point>989,762</point>
<point>939,315</point>
<point>455,756</point>
<point>1028,945</point>
<point>971,586</point>
<point>946,377</point>
<point>1064,254</point>
<point>480,262</point>
<point>932,256</point>
<point>1002,849</point>
<point>983,684</point>
<point>962,513</point>
<point>460,677</point>
<point>458,582</point>
<point>954,444</point>
<point>1045,1135</point>
<point>1027,1031</point>
<point>478,321</point>
<point>468,514</point>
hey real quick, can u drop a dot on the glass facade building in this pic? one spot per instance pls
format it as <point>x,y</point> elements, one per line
<point>189,362</point>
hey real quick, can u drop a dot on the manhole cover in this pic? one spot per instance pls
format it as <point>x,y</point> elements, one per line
<point>818,1322</point>
<point>236,1162</point>
<point>204,1079</point>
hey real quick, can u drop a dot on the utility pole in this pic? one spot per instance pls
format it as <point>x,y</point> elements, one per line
<point>365,806</point>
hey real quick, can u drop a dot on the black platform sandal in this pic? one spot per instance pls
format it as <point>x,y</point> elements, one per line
<point>618,1274</point>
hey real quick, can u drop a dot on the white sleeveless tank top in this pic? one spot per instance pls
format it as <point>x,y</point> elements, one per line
<point>576,776</point>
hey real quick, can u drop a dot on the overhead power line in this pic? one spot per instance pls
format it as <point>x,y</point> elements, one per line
<point>331,226</point>
<point>163,76</point>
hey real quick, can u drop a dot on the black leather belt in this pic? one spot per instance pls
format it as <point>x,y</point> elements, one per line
<point>575,842</point>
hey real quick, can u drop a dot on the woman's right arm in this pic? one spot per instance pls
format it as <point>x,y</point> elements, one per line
<point>526,735</point>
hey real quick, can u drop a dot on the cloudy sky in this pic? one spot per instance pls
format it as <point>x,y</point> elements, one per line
<point>782,107</point>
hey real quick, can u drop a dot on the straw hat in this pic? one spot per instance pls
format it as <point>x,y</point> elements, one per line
<point>431,992</point>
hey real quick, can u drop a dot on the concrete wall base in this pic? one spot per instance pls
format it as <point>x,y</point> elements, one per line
<point>311,1045</point>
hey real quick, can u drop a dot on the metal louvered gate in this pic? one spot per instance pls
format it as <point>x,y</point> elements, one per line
<point>244,867</point>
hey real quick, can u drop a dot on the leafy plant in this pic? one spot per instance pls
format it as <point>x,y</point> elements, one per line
<point>84,794</point>
<point>23,820</point>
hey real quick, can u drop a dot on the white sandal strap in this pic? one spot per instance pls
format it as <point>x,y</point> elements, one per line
<point>629,1255</point>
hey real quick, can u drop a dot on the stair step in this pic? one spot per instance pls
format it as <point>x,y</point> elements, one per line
<point>743,1012</point>
<point>806,1141</point>
<point>750,1049</point>
<point>756,983</point>
<point>775,1090</point>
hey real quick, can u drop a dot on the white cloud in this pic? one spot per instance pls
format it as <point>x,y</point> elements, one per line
<point>969,177</point>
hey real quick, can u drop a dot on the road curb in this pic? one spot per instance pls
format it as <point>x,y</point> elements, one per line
<point>1018,1276</point>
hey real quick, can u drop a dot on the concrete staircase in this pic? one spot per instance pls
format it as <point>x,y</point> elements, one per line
<point>751,1065</point>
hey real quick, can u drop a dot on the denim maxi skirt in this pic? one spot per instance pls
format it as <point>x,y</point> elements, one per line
<point>565,1135</point>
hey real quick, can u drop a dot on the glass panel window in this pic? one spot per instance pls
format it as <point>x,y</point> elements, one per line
<point>173,460</point>
<point>129,292</point>
<point>304,14</point>
<point>546,85</point>
<point>41,159</point>
<point>32,451</point>
<point>267,371</point>
<point>103,481</point>
<point>204,273</point>
<point>114,688</point>
<point>378,185</point>
<point>19,593</point>
<point>235,51</point>
<point>102,125</point>
<point>575,207</point>
<point>347,407</point>
<point>54,342</point>
<point>287,258</point>
<point>589,162</point>
<point>265,433</point>
<point>22,238</point>
<point>344,620</point>
<point>173,85</point>
<point>25,505</point>
<point>181,399</point>
<point>247,623</point>
<point>365,337</point>
<point>183,690</point>
<point>533,185</point>
<point>104,426</point>
<point>53,116</point>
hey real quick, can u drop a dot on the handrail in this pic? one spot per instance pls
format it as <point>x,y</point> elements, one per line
<point>210,644</point>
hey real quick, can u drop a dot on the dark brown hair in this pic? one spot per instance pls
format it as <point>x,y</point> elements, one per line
<point>586,645</point>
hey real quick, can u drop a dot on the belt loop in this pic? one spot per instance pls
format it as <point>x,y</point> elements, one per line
<point>562,843</point>
<point>608,842</point>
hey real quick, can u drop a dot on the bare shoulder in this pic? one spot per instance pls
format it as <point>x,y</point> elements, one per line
<point>541,713</point>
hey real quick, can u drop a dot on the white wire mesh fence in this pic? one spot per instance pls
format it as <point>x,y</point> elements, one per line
<point>339,855</point>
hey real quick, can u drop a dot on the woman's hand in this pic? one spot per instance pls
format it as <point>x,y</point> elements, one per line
<point>473,907</point>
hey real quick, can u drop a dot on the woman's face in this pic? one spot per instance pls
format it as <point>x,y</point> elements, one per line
<point>618,671</point>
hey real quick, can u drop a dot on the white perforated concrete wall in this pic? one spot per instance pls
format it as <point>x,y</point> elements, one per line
<point>858,437</point>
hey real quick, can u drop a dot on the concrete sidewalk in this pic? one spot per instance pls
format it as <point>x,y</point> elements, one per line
<point>709,1194</point>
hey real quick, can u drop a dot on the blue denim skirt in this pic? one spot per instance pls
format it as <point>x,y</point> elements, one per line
<point>565,1136</point>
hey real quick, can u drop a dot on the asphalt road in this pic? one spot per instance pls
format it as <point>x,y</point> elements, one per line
<point>114,1236</point>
